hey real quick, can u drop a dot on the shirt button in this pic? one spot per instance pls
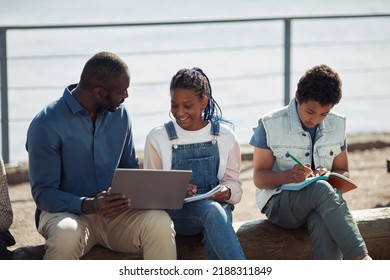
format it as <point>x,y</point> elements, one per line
<point>307,154</point>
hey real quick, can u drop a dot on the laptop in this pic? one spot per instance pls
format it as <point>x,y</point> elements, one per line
<point>152,188</point>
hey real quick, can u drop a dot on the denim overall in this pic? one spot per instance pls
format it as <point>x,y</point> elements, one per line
<point>209,217</point>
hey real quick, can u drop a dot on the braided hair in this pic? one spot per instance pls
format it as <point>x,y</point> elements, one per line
<point>195,79</point>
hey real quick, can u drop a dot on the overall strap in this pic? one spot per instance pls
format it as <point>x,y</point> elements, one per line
<point>171,131</point>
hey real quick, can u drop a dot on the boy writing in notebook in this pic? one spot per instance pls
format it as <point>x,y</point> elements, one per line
<point>316,137</point>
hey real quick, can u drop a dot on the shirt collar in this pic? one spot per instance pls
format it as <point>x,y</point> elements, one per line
<point>75,106</point>
<point>296,126</point>
<point>71,101</point>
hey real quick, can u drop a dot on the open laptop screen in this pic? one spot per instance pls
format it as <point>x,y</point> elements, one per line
<point>152,188</point>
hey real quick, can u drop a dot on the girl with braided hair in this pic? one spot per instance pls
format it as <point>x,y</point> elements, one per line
<point>199,139</point>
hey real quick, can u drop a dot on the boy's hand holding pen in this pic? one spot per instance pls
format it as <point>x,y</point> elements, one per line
<point>300,172</point>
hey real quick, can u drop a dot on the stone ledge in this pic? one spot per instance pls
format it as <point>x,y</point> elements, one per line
<point>259,239</point>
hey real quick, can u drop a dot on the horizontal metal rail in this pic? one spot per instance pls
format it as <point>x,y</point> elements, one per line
<point>287,49</point>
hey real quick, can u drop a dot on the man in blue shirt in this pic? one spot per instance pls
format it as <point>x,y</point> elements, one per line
<point>74,146</point>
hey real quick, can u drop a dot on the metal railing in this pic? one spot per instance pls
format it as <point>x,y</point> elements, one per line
<point>286,44</point>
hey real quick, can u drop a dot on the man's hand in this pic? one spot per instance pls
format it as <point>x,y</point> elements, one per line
<point>106,204</point>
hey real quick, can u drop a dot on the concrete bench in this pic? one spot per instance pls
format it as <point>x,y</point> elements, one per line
<point>260,240</point>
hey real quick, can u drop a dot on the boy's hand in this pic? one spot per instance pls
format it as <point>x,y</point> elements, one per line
<point>301,172</point>
<point>320,171</point>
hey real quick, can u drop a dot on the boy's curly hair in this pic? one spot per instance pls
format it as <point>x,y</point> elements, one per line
<point>320,84</point>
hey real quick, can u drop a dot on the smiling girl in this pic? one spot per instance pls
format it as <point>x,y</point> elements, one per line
<point>198,139</point>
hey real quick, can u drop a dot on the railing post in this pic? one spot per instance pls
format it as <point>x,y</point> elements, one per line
<point>287,60</point>
<point>4,96</point>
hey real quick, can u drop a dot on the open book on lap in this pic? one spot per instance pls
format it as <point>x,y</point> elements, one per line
<point>204,195</point>
<point>344,184</point>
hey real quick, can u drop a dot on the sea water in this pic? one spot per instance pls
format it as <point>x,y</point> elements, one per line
<point>244,61</point>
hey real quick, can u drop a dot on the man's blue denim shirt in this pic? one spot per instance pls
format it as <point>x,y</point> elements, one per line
<point>70,158</point>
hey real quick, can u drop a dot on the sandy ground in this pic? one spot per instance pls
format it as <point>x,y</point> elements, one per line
<point>367,167</point>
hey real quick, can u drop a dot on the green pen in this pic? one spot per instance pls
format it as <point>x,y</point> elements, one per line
<point>294,159</point>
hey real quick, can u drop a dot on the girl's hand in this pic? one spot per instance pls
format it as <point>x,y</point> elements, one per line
<point>222,195</point>
<point>191,190</point>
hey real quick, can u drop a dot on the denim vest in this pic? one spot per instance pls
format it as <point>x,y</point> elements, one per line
<point>201,158</point>
<point>286,135</point>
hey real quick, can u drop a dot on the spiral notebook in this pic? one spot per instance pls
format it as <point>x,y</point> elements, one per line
<point>152,188</point>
